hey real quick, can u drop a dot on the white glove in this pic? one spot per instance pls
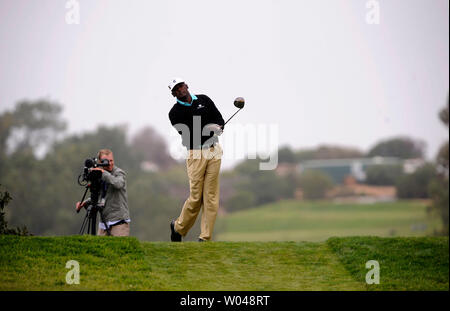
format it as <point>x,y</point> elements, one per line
<point>214,128</point>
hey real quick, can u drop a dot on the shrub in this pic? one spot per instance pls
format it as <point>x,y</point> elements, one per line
<point>240,201</point>
<point>416,185</point>
<point>5,198</point>
<point>384,175</point>
<point>315,184</point>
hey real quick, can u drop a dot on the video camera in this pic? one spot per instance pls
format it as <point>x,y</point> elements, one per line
<point>90,175</point>
<point>91,179</point>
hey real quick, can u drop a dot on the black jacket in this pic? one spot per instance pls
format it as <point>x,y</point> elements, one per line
<point>194,118</point>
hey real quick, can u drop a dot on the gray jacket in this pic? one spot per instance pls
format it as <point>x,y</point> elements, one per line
<point>116,201</point>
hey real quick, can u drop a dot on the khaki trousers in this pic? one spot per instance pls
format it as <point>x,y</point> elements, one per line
<point>119,230</point>
<point>203,168</point>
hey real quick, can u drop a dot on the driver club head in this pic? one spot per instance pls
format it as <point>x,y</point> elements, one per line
<point>239,102</point>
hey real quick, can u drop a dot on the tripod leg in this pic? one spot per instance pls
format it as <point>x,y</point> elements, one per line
<point>88,231</point>
<point>93,220</point>
<point>83,225</point>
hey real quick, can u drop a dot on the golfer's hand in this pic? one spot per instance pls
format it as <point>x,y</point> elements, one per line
<point>214,128</point>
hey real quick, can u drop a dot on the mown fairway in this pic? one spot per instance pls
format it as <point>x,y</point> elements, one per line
<point>318,221</point>
<point>108,263</point>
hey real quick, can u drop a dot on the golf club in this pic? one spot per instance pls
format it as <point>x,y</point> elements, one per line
<point>239,102</point>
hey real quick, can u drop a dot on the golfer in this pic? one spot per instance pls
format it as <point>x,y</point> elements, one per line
<point>199,123</point>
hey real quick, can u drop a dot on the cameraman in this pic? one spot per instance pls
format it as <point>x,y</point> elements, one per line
<point>114,191</point>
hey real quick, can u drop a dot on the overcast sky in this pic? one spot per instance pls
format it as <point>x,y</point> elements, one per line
<point>315,68</point>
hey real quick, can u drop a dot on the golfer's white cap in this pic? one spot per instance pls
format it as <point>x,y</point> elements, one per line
<point>174,82</point>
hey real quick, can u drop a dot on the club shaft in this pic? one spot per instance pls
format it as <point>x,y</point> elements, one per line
<point>232,116</point>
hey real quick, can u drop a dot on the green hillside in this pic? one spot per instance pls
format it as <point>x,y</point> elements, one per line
<point>108,263</point>
<point>318,221</point>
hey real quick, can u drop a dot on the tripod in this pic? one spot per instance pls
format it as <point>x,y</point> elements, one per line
<point>90,220</point>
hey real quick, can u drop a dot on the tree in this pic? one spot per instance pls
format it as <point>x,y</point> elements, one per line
<point>442,158</point>
<point>383,174</point>
<point>328,152</point>
<point>6,124</point>
<point>152,147</point>
<point>440,187</point>
<point>6,121</point>
<point>5,198</point>
<point>286,155</point>
<point>305,155</point>
<point>45,189</point>
<point>79,147</point>
<point>400,147</point>
<point>315,184</point>
<point>438,191</point>
<point>240,201</point>
<point>31,126</point>
<point>337,152</point>
<point>443,115</point>
<point>416,185</point>
<point>265,185</point>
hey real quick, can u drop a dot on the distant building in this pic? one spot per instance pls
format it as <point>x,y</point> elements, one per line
<point>340,169</point>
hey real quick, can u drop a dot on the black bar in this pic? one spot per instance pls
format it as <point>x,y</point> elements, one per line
<point>215,300</point>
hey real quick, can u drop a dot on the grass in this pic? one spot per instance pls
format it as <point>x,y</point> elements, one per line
<point>247,266</point>
<point>108,263</point>
<point>405,264</point>
<point>318,221</point>
<point>38,263</point>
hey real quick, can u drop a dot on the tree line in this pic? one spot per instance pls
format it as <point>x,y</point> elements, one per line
<point>39,169</point>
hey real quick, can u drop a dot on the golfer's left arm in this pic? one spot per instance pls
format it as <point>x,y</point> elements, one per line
<point>216,116</point>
